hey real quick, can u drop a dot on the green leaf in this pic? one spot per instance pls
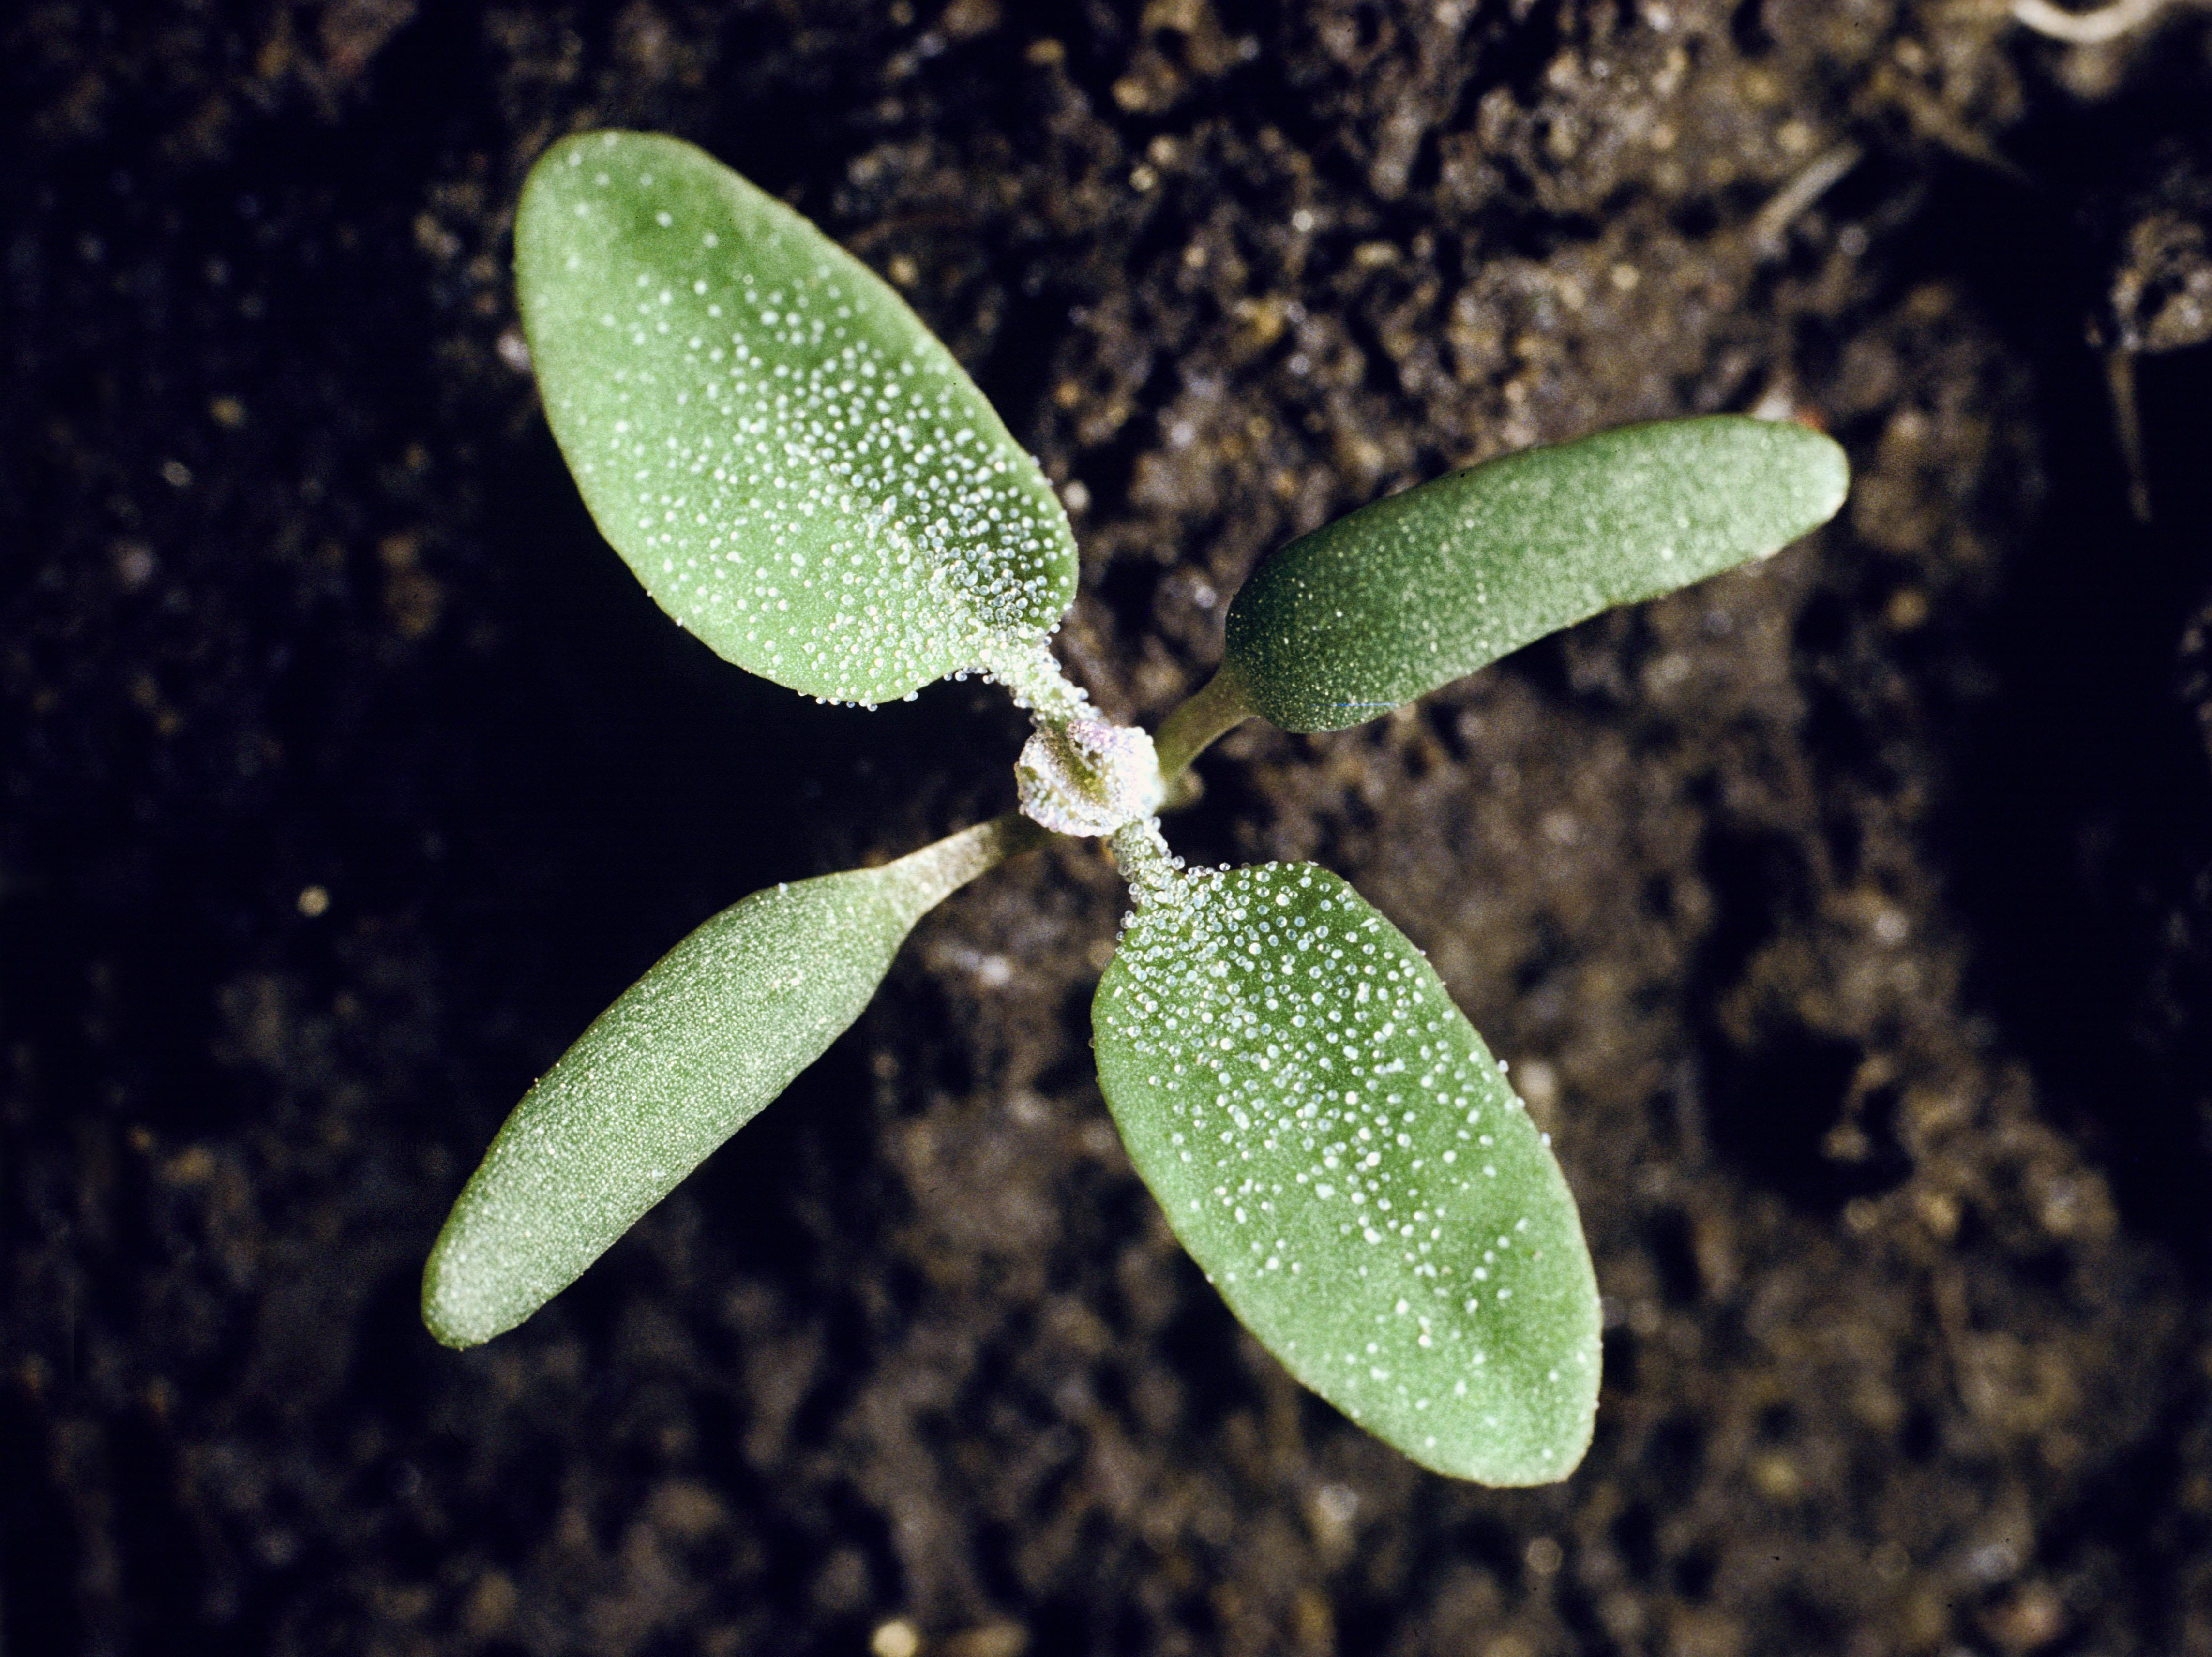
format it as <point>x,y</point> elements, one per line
<point>1406,595</point>
<point>787,458</point>
<point>687,1056</point>
<point>1338,1150</point>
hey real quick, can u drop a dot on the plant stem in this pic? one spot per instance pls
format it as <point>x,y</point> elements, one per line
<point>1032,675</point>
<point>926,878</point>
<point>1142,853</point>
<point>1186,733</point>
<point>2127,427</point>
<point>1782,210</point>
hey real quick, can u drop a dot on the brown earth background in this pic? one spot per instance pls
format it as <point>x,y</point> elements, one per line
<point>1845,920</point>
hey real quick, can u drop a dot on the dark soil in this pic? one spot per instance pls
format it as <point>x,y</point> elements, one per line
<point>1848,920</point>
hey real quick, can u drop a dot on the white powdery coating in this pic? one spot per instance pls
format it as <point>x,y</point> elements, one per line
<point>1086,777</point>
<point>1336,1147</point>
<point>797,470</point>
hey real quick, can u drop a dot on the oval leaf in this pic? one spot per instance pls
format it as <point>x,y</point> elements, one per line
<point>793,465</point>
<point>1337,1149</point>
<point>1406,595</point>
<point>687,1056</point>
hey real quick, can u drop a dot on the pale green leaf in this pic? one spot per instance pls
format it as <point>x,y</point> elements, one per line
<point>792,463</point>
<point>1333,1144</point>
<point>686,1057</point>
<point>1406,595</point>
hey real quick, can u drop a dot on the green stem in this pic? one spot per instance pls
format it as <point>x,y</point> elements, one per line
<point>921,880</point>
<point>1186,733</point>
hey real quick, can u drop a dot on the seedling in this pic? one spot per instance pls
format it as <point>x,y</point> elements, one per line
<point>802,474</point>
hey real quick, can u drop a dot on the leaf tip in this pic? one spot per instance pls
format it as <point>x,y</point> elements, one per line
<point>1827,476</point>
<point>457,1309</point>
